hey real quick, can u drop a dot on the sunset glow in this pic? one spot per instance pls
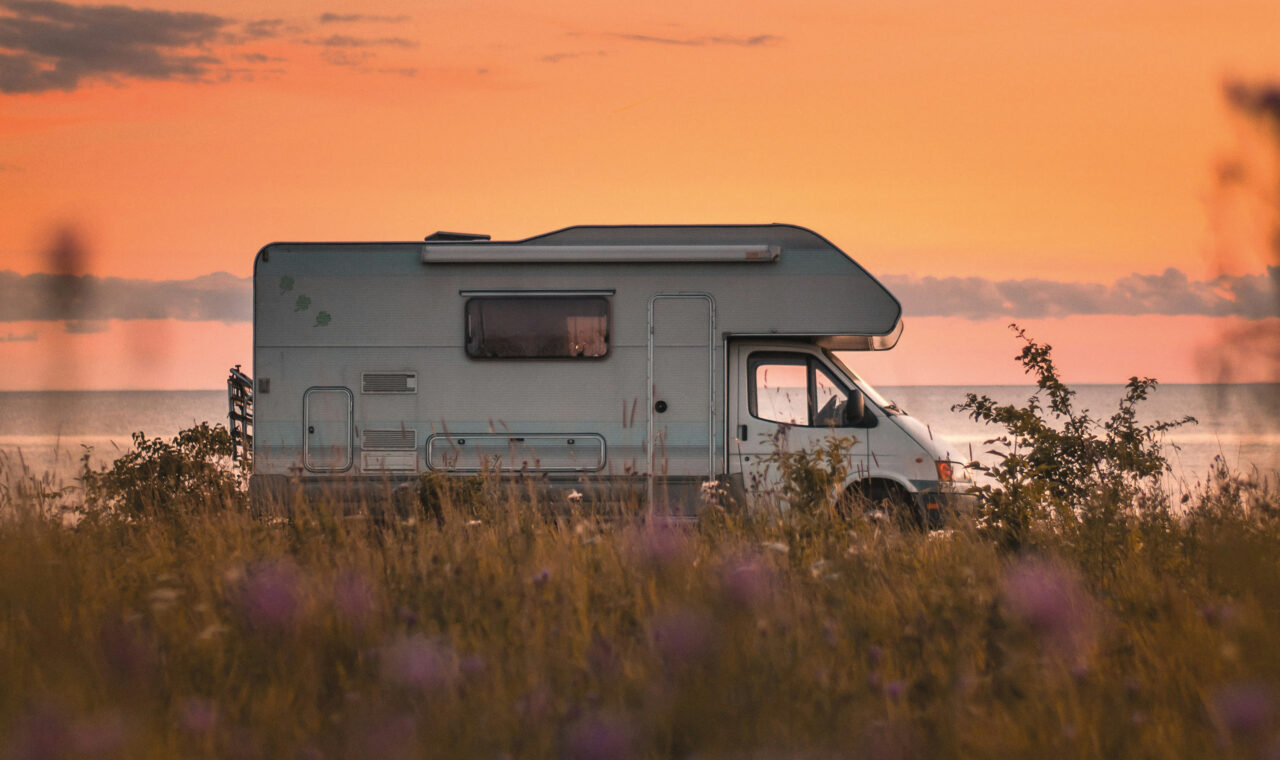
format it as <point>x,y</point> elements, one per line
<point>993,139</point>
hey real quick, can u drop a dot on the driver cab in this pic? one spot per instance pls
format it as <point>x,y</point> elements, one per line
<point>797,396</point>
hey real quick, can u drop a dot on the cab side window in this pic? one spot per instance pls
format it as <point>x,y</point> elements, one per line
<point>780,388</point>
<point>829,399</point>
<point>797,389</point>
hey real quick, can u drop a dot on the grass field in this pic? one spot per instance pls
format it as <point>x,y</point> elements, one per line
<point>505,631</point>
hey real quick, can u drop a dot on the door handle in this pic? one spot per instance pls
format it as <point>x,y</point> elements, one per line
<point>742,432</point>
<point>311,429</point>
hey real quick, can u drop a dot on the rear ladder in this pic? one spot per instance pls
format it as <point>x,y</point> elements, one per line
<point>240,414</point>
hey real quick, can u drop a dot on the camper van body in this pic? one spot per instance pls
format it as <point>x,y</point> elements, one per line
<point>665,357</point>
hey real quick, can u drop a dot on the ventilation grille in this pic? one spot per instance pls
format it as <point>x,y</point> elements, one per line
<point>389,440</point>
<point>389,382</point>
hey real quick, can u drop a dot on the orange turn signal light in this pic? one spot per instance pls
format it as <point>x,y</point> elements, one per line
<point>944,470</point>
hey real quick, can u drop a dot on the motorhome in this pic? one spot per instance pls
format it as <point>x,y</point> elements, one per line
<point>667,357</point>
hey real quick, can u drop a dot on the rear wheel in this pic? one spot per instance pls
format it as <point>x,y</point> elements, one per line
<point>881,501</point>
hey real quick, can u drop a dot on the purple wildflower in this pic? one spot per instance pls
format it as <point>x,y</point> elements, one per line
<point>353,599</point>
<point>1245,708</point>
<point>1217,614</point>
<point>417,662</point>
<point>662,547</point>
<point>745,581</point>
<point>542,576</point>
<point>39,735</point>
<point>197,715</point>
<point>682,636</point>
<point>388,738</point>
<point>99,734</point>
<point>601,655</point>
<point>270,596</point>
<point>895,690</point>
<point>1051,601</point>
<point>600,737</point>
<point>127,648</point>
<point>472,665</point>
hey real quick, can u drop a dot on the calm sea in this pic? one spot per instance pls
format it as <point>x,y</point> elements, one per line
<point>50,431</point>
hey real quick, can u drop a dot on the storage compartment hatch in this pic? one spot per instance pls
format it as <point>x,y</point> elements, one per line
<point>570,452</point>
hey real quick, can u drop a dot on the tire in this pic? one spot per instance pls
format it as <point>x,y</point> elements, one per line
<point>881,500</point>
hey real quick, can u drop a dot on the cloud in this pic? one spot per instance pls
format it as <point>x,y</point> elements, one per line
<point>346,41</point>
<point>55,46</point>
<point>753,41</point>
<point>11,337</point>
<point>86,326</point>
<point>51,45</point>
<point>352,18</point>
<point>1255,296</point>
<point>345,50</point>
<point>260,29</point>
<point>86,300</point>
<point>338,57</point>
<point>260,58</point>
<point>558,57</point>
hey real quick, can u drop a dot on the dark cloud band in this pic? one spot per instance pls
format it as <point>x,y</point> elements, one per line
<point>82,301</point>
<point>1254,296</point>
<point>51,45</point>
<point>222,297</point>
<point>54,46</point>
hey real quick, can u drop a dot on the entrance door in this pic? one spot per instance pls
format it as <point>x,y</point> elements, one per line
<point>681,399</point>
<point>327,427</point>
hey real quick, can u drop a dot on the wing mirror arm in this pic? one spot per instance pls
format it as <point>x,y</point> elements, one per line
<point>856,410</point>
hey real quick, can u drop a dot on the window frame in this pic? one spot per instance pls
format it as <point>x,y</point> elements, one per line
<point>811,364</point>
<point>467,330</point>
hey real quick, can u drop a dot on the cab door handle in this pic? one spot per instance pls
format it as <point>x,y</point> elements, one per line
<point>742,432</point>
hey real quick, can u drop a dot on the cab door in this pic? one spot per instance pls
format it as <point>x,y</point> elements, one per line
<point>788,398</point>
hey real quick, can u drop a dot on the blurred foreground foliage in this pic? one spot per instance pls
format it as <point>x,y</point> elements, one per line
<point>155,617</point>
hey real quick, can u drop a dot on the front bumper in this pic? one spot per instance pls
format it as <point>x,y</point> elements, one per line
<point>938,501</point>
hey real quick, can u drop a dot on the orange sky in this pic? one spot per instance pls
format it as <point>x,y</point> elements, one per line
<point>1004,139</point>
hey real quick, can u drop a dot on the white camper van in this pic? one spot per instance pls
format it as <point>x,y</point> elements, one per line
<point>661,356</point>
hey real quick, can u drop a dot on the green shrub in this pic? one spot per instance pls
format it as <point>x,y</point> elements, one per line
<point>193,471</point>
<point>810,480</point>
<point>1056,460</point>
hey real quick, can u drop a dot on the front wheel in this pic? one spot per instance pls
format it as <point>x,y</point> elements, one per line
<point>881,501</point>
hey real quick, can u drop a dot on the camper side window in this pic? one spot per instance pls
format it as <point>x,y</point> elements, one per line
<point>537,327</point>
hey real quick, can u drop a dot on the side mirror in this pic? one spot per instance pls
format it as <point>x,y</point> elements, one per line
<point>855,410</point>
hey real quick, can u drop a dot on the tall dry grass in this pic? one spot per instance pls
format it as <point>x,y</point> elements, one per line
<point>508,629</point>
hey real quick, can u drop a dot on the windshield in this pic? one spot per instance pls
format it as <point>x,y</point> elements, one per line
<point>864,386</point>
